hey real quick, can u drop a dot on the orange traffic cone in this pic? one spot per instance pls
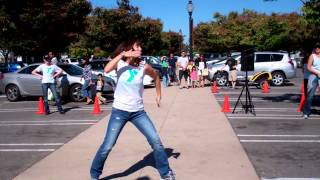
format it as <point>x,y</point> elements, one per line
<point>265,87</point>
<point>302,88</point>
<point>96,106</point>
<point>302,101</point>
<point>214,87</point>
<point>40,106</point>
<point>226,105</point>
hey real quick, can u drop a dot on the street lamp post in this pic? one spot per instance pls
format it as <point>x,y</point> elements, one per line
<point>190,9</point>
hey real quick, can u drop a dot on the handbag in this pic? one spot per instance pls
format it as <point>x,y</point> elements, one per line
<point>205,72</point>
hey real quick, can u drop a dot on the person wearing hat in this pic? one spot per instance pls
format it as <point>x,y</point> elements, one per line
<point>48,72</point>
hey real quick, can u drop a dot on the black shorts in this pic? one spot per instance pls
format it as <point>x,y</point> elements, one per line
<point>184,74</point>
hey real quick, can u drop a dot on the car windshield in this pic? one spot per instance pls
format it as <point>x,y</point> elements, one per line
<point>98,65</point>
<point>72,70</point>
<point>153,60</point>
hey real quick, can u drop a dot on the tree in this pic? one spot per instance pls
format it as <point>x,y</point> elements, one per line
<point>236,32</point>
<point>35,27</point>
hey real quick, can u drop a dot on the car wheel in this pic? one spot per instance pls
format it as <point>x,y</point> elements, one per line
<point>13,93</point>
<point>75,93</point>
<point>222,79</point>
<point>277,78</point>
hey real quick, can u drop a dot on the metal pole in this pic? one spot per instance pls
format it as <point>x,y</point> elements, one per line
<point>191,36</point>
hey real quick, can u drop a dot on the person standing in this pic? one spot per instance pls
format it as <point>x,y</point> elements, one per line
<point>313,82</point>
<point>49,73</point>
<point>99,88</point>
<point>164,70</point>
<point>182,63</point>
<point>128,107</point>
<point>232,64</point>
<point>87,76</point>
<point>172,69</point>
<point>54,60</point>
<point>194,76</point>
<point>203,71</point>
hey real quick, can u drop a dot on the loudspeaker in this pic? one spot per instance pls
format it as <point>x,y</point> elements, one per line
<point>247,60</point>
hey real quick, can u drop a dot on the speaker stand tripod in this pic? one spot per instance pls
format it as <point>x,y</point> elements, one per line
<point>248,105</point>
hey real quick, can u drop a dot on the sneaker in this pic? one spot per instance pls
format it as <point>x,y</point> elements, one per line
<point>169,176</point>
<point>305,116</point>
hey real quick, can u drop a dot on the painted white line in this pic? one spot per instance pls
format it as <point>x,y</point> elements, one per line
<point>234,100</point>
<point>276,135</point>
<point>290,178</point>
<point>268,115</point>
<point>27,144</point>
<point>274,118</point>
<point>280,141</point>
<point>27,150</point>
<point>49,124</point>
<point>259,93</point>
<point>54,110</point>
<point>1,96</point>
<point>48,121</point>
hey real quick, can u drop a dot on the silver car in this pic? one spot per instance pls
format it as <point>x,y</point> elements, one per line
<point>278,64</point>
<point>22,83</point>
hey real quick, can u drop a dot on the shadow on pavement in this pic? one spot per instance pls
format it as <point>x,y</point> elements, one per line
<point>148,160</point>
<point>294,98</point>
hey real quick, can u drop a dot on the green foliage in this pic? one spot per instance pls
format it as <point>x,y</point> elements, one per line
<point>249,29</point>
<point>35,27</point>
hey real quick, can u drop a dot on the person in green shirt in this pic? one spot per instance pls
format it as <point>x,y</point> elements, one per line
<point>165,74</point>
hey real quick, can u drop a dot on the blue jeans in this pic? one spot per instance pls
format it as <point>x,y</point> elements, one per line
<point>165,80</point>
<point>52,86</point>
<point>117,121</point>
<point>86,89</point>
<point>312,87</point>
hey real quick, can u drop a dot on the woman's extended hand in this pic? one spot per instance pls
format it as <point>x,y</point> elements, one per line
<point>131,53</point>
<point>158,99</point>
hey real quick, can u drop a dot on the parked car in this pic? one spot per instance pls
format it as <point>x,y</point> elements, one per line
<point>278,64</point>
<point>22,83</point>
<point>155,64</point>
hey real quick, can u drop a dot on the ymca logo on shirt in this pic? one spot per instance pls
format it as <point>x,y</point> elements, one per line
<point>132,74</point>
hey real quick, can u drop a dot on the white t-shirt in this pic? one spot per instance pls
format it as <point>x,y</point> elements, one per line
<point>129,89</point>
<point>201,65</point>
<point>47,72</point>
<point>183,62</point>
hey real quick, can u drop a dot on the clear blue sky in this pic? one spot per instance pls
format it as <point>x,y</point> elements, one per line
<point>174,16</point>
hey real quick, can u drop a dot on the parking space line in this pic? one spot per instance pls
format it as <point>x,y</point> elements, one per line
<point>290,178</point>
<point>277,135</point>
<point>27,150</point>
<point>278,141</point>
<point>34,144</point>
<point>275,118</point>
<point>35,109</point>
<point>48,121</point>
<point>47,124</point>
<point>268,115</point>
<point>235,99</point>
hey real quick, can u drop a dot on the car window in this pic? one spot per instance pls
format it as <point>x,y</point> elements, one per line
<point>153,60</point>
<point>98,65</point>
<point>72,70</point>
<point>277,57</point>
<point>263,58</point>
<point>28,70</point>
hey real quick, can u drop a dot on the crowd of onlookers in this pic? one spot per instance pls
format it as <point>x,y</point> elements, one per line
<point>183,71</point>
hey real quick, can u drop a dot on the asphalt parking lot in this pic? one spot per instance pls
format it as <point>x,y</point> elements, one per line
<point>27,137</point>
<point>278,141</point>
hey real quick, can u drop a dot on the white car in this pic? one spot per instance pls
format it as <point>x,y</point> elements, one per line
<point>278,64</point>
